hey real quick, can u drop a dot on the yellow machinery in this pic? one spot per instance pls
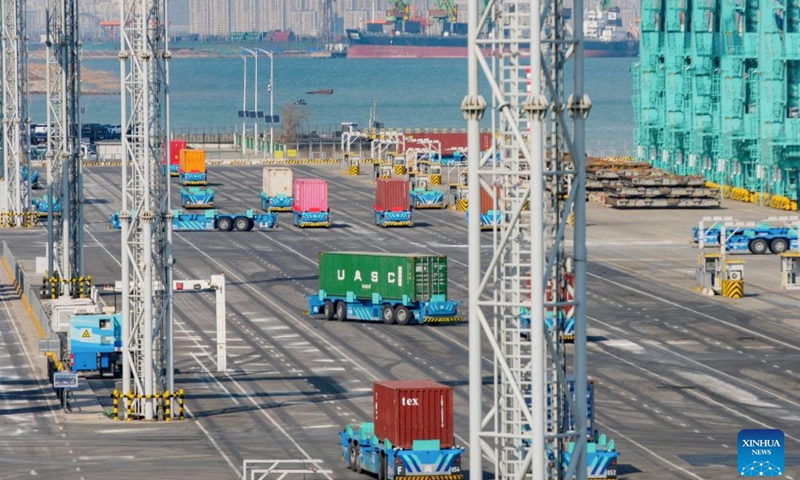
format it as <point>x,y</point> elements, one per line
<point>435,174</point>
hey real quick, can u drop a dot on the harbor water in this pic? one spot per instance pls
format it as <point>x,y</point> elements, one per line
<point>206,94</point>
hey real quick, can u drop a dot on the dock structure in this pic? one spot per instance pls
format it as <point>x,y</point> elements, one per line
<point>717,93</point>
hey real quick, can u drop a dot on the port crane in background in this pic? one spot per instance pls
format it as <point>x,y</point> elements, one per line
<point>399,11</point>
<point>446,12</point>
<point>537,160</point>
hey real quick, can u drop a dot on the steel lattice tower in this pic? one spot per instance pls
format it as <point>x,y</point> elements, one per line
<point>146,218</point>
<point>64,168</point>
<point>536,176</point>
<point>16,124</point>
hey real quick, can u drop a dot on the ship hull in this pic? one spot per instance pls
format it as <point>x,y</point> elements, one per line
<point>384,46</point>
<point>405,51</point>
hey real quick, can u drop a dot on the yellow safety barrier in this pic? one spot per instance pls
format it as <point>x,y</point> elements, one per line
<point>163,407</point>
<point>25,219</point>
<point>399,169</point>
<point>354,170</point>
<point>571,219</point>
<point>436,179</point>
<point>733,288</point>
<point>462,204</point>
<point>81,286</point>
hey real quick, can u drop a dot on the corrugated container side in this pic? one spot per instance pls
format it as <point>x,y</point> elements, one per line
<point>486,199</point>
<point>310,195</point>
<point>393,276</point>
<point>405,411</point>
<point>175,147</point>
<point>391,194</point>
<point>192,161</point>
<point>277,180</point>
<point>450,141</point>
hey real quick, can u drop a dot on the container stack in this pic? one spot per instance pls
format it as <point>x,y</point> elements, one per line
<point>623,183</point>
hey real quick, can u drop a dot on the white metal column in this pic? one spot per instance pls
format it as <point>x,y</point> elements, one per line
<point>63,155</point>
<point>534,176</point>
<point>16,124</point>
<point>145,214</point>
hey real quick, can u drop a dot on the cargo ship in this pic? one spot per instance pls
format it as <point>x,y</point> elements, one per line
<point>604,36</point>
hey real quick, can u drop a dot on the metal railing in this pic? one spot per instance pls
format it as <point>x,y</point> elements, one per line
<point>28,291</point>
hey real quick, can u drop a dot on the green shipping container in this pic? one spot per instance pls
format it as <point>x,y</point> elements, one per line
<point>418,277</point>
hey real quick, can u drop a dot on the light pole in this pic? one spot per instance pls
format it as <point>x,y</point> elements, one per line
<point>255,108</point>
<point>244,106</point>
<point>271,114</point>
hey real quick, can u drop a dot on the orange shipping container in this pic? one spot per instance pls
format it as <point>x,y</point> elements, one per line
<point>192,161</point>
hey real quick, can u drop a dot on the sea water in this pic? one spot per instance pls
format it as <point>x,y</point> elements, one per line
<point>207,93</point>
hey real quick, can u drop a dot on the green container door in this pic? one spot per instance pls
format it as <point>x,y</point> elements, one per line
<point>430,276</point>
<point>392,276</point>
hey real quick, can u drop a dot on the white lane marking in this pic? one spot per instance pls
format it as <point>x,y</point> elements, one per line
<point>269,417</point>
<point>634,442</point>
<point>9,319</point>
<point>623,344</point>
<point>277,306</point>
<point>725,390</point>
<point>696,312</point>
<point>312,427</point>
<point>694,393</point>
<point>704,366</point>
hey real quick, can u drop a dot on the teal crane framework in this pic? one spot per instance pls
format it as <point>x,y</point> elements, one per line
<point>718,94</point>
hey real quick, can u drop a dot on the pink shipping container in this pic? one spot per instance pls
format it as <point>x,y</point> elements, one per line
<point>405,411</point>
<point>391,195</point>
<point>310,195</point>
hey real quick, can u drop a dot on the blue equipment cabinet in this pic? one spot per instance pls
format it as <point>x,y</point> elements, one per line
<point>95,343</point>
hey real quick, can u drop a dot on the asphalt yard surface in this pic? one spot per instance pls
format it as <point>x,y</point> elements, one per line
<point>677,374</point>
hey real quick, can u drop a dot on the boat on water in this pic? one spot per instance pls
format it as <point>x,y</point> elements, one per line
<point>327,91</point>
<point>604,36</point>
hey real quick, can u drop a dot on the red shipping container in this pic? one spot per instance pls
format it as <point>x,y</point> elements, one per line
<point>486,199</point>
<point>450,141</point>
<point>391,195</point>
<point>405,411</point>
<point>175,147</point>
<point>310,195</point>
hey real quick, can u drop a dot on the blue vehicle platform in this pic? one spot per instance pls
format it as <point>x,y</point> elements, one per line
<point>363,451</point>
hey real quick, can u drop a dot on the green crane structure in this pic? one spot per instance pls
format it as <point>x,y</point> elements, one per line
<point>446,11</point>
<point>718,94</point>
<point>399,10</point>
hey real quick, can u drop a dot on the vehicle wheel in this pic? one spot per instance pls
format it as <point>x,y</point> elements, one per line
<point>341,311</point>
<point>224,224</point>
<point>403,315</point>
<point>382,468</point>
<point>759,246</point>
<point>778,245</point>
<point>358,459</point>
<point>351,453</point>
<point>242,224</point>
<point>387,314</point>
<point>328,310</point>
